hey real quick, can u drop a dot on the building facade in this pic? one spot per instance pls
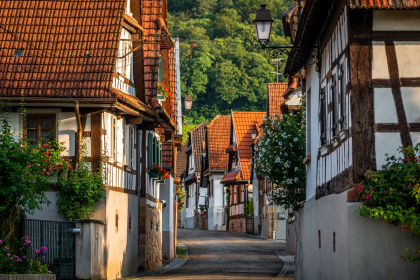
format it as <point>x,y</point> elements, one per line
<point>361,105</point>
<point>94,90</point>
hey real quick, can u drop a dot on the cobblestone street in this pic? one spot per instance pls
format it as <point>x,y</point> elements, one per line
<point>225,255</point>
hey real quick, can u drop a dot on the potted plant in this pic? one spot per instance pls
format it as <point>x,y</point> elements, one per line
<point>164,90</point>
<point>202,210</point>
<point>158,171</point>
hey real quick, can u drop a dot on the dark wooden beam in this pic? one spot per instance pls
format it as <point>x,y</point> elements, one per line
<point>391,57</point>
<point>361,98</point>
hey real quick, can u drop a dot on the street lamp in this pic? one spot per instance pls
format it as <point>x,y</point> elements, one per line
<point>254,133</point>
<point>188,102</point>
<point>262,23</point>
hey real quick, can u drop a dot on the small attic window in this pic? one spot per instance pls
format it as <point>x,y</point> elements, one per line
<point>18,52</point>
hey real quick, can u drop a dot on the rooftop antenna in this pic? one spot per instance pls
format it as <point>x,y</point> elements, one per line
<point>276,60</point>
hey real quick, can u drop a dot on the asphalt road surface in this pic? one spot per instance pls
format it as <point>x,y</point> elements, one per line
<point>226,255</point>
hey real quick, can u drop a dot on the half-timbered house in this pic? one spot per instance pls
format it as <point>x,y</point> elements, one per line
<point>196,196</point>
<point>92,67</point>
<point>239,168</point>
<point>214,168</point>
<point>362,88</point>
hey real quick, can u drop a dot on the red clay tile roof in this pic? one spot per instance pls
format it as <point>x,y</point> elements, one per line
<point>385,4</point>
<point>198,136</point>
<point>218,133</point>
<point>167,149</point>
<point>275,98</point>
<point>243,123</point>
<point>181,160</point>
<point>69,47</point>
<point>231,177</point>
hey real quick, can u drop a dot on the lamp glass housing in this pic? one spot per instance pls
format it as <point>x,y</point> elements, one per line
<point>262,23</point>
<point>188,102</point>
<point>254,133</point>
<point>263,30</point>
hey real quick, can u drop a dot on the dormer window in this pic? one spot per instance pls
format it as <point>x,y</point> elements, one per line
<point>18,53</point>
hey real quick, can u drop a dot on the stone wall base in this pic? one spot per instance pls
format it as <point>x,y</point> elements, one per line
<point>150,239</point>
<point>237,225</point>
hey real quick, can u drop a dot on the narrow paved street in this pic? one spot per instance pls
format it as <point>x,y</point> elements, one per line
<point>225,255</point>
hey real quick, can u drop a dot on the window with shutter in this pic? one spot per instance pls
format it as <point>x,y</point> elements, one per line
<point>150,150</point>
<point>342,98</point>
<point>323,117</point>
<point>335,106</point>
<point>160,154</point>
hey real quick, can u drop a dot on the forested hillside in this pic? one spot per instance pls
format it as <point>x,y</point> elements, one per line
<point>222,65</point>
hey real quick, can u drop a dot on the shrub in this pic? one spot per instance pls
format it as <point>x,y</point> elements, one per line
<point>393,193</point>
<point>280,151</point>
<point>27,170</point>
<point>80,191</point>
<point>21,262</point>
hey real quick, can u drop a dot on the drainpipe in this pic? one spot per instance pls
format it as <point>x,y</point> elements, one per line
<point>246,199</point>
<point>79,130</point>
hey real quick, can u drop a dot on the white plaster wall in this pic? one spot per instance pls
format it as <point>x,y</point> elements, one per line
<point>374,246</point>
<point>411,102</point>
<point>67,132</point>
<point>168,238</point>
<point>312,82</point>
<point>216,202</point>
<point>379,62</point>
<point>122,247</point>
<point>365,248</point>
<point>396,20</point>
<point>48,212</point>
<point>15,125</point>
<point>385,111</point>
<point>386,143</point>
<point>327,215</point>
<point>415,137</point>
<point>408,58</point>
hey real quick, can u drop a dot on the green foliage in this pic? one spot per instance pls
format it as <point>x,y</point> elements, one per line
<point>249,208</point>
<point>181,195</point>
<point>280,151</point>
<point>81,190</point>
<point>19,261</point>
<point>394,194</point>
<point>27,171</point>
<point>181,252</point>
<point>222,65</point>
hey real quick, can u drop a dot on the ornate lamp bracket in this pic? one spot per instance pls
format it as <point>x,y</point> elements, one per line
<point>302,54</point>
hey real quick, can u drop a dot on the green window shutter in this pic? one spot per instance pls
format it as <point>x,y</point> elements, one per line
<point>160,154</point>
<point>160,72</point>
<point>150,152</point>
<point>155,152</point>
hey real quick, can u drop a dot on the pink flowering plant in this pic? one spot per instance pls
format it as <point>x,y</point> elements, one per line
<point>393,193</point>
<point>19,260</point>
<point>28,170</point>
<point>279,153</point>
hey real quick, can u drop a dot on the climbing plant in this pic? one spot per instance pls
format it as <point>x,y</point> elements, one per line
<point>280,151</point>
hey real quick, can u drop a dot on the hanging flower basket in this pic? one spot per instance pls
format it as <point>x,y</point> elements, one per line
<point>159,172</point>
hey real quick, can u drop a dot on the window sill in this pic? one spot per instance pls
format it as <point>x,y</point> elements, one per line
<point>342,135</point>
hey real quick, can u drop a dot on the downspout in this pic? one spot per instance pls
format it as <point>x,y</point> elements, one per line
<point>246,199</point>
<point>79,130</point>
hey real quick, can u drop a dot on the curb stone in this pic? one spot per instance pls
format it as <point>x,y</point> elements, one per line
<point>175,263</point>
<point>288,270</point>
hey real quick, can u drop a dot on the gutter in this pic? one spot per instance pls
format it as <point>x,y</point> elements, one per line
<point>79,130</point>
